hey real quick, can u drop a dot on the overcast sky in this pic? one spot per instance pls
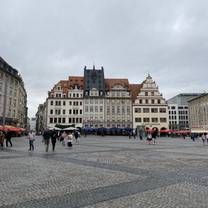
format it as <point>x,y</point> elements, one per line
<point>48,40</point>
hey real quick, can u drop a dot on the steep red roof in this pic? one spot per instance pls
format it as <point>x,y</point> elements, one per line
<point>109,83</point>
<point>134,90</point>
<point>76,80</point>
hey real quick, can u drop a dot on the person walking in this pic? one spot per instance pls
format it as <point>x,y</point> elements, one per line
<point>2,137</point>
<point>54,136</point>
<point>31,137</point>
<point>46,138</point>
<point>8,138</point>
<point>76,136</point>
<point>149,138</point>
<point>203,138</point>
<point>154,136</point>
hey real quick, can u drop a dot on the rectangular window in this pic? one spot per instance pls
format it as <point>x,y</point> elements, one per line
<point>80,112</point>
<point>55,120</point>
<point>153,101</point>
<point>146,93</point>
<point>145,110</point>
<point>51,120</point>
<point>80,120</point>
<point>86,108</point>
<point>137,110</point>
<point>101,109</point>
<point>146,101</point>
<point>140,101</point>
<point>162,110</point>
<point>91,108</point>
<point>59,120</point>
<point>70,120</point>
<point>51,102</point>
<point>64,111</point>
<point>80,103</point>
<point>63,120</point>
<point>146,120</point>
<point>154,110</point>
<point>70,111</point>
<point>51,111</point>
<point>64,102</point>
<point>96,108</point>
<point>154,120</point>
<point>138,120</point>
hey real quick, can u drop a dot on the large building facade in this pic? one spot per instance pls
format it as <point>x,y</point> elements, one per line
<point>13,97</point>
<point>94,94</point>
<point>198,113</point>
<point>93,101</point>
<point>179,111</point>
<point>150,109</point>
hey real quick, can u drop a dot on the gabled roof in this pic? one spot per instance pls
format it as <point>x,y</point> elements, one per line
<point>109,83</point>
<point>134,90</point>
<point>76,80</point>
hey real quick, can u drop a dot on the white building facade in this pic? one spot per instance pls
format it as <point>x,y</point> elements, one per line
<point>150,108</point>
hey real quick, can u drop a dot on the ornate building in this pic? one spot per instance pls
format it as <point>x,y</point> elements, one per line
<point>118,103</point>
<point>198,113</point>
<point>65,103</point>
<point>93,101</point>
<point>13,97</point>
<point>149,107</point>
<point>94,94</point>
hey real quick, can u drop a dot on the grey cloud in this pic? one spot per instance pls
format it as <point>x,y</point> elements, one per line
<point>50,40</point>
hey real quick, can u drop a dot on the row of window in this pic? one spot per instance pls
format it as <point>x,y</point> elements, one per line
<point>149,101</point>
<point>148,110</point>
<point>180,117</point>
<point>70,112</point>
<point>153,120</point>
<point>59,103</point>
<point>64,120</point>
<point>94,109</point>
<point>118,110</point>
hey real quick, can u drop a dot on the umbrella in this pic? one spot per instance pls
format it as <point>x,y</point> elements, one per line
<point>70,129</point>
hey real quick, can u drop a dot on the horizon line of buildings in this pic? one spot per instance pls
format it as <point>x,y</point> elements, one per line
<point>94,101</point>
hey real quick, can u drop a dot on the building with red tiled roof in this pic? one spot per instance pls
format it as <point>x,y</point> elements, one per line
<point>94,101</point>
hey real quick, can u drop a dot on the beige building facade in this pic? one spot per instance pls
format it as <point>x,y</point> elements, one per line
<point>118,104</point>
<point>198,113</point>
<point>13,97</point>
<point>65,103</point>
<point>149,107</point>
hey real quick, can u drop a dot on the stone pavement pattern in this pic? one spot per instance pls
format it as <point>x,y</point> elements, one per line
<point>105,172</point>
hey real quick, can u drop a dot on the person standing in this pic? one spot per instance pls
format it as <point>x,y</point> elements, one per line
<point>31,137</point>
<point>203,138</point>
<point>46,138</point>
<point>149,138</point>
<point>54,136</point>
<point>8,138</point>
<point>2,137</point>
<point>76,136</point>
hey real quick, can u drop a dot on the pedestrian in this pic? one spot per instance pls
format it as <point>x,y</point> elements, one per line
<point>54,136</point>
<point>68,140</point>
<point>2,137</point>
<point>207,137</point>
<point>76,136</point>
<point>149,138</point>
<point>46,138</point>
<point>31,137</point>
<point>154,136</point>
<point>8,138</point>
<point>203,138</point>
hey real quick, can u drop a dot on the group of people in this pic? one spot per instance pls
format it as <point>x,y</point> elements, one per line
<point>5,136</point>
<point>65,138</point>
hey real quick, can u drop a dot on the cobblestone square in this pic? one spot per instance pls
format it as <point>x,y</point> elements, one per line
<point>105,172</point>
